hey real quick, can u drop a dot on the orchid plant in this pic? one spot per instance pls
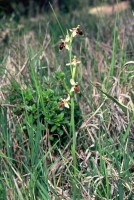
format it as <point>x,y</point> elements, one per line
<point>74,88</point>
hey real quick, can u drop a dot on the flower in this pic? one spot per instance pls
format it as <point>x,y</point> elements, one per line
<point>76,31</point>
<point>64,43</point>
<point>75,86</point>
<point>64,102</point>
<point>74,62</point>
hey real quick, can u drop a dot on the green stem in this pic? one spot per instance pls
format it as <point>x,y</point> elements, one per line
<point>70,53</point>
<point>74,71</point>
<point>73,134</point>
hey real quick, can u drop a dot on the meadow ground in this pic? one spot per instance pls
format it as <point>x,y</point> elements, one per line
<point>63,139</point>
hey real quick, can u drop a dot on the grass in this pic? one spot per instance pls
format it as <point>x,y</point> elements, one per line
<point>36,157</point>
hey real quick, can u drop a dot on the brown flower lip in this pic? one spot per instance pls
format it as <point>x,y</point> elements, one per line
<point>76,88</point>
<point>79,31</point>
<point>62,45</point>
<point>61,104</point>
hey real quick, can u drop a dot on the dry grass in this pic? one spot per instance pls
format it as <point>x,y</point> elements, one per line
<point>110,9</point>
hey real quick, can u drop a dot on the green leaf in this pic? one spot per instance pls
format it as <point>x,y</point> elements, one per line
<point>60,132</point>
<point>60,116</point>
<point>53,128</point>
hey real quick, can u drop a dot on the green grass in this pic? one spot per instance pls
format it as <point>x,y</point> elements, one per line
<point>36,157</point>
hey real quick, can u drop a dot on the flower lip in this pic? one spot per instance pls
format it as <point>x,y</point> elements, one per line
<point>77,88</point>
<point>62,45</point>
<point>79,31</point>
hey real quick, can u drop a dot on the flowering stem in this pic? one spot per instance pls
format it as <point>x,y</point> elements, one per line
<point>67,43</point>
<point>72,122</point>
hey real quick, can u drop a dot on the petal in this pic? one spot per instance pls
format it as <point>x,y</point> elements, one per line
<point>72,82</point>
<point>66,105</point>
<point>67,47</point>
<point>68,64</point>
<point>72,89</point>
<point>67,38</point>
<point>68,98</point>
<point>74,33</point>
<point>78,62</point>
